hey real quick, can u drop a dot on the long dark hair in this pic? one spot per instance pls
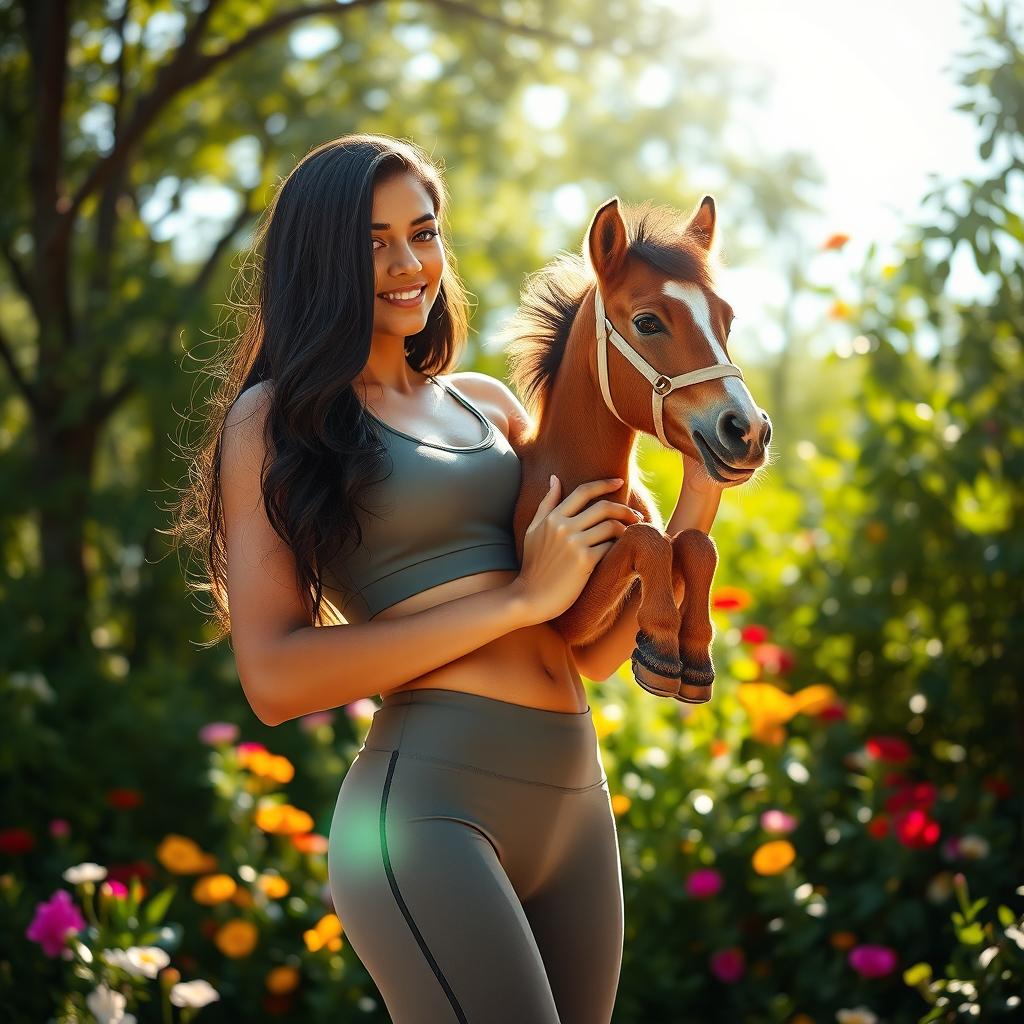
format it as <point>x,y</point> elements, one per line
<point>306,314</point>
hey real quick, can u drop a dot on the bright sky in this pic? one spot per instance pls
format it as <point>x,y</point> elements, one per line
<point>864,88</point>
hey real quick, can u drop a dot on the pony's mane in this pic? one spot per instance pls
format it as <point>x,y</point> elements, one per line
<point>535,336</point>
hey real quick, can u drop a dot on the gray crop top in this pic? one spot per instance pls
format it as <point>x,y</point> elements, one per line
<point>445,512</point>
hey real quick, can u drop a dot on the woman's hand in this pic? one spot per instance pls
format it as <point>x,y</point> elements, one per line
<point>565,542</point>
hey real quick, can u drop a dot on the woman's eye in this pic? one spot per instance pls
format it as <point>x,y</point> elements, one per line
<point>426,231</point>
<point>647,323</point>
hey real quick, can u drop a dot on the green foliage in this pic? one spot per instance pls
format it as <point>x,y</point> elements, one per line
<point>882,558</point>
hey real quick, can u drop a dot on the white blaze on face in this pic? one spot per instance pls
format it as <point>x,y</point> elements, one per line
<point>693,297</point>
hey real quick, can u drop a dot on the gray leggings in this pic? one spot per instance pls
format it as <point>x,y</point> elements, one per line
<point>474,863</point>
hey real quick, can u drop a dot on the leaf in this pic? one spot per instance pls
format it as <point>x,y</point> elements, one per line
<point>157,906</point>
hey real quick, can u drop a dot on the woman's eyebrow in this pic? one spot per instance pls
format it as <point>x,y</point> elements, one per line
<point>418,220</point>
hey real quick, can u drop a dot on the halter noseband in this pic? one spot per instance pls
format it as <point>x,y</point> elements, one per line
<point>662,385</point>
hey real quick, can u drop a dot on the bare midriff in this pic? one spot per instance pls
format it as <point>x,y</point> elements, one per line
<point>532,666</point>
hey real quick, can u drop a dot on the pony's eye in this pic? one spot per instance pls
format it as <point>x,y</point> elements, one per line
<point>647,323</point>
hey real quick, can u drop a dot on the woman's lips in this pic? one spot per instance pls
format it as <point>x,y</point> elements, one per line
<point>406,303</point>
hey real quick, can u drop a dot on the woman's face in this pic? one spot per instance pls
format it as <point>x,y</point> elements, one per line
<point>407,254</point>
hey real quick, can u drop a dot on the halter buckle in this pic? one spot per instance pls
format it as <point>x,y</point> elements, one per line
<point>662,385</point>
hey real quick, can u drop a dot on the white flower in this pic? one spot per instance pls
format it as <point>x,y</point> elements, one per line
<point>973,847</point>
<point>194,993</point>
<point>85,872</point>
<point>107,1006</point>
<point>858,1015</point>
<point>145,961</point>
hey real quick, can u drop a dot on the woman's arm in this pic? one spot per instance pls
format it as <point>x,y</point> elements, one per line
<point>287,666</point>
<point>696,507</point>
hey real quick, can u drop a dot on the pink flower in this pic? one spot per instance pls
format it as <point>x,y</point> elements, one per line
<point>703,883</point>
<point>53,921</point>
<point>215,733</point>
<point>114,888</point>
<point>872,961</point>
<point>774,820</point>
<point>362,708</point>
<point>728,964</point>
<point>60,828</point>
<point>250,747</point>
<point>315,719</point>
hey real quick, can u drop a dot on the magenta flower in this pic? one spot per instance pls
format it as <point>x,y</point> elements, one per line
<point>250,747</point>
<point>215,733</point>
<point>54,921</point>
<point>872,961</point>
<point>115,888</point>
<point>703,883</point>
<point>774,820</point>
<point>60,828</point>
<point>728,965</point>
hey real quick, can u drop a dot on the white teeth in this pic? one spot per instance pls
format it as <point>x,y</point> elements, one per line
<point>403,295</point>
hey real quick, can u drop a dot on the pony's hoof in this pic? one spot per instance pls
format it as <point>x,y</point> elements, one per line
<point>695,684</point>
<point>654,674</point>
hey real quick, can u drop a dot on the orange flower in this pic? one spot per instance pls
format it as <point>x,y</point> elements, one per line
<point>326,933</point>
<point>836,241</point>
<point>310,842</point>
<point>876,531</point>
<point>840,310</point>
<point>620,804</point>
<point>213,889</point>
<point>282,980</point>
<point>282,819</point>
<point>773,857</point>
<point>719,748</point>
<point>267,765</point>
<point>273,886</point>
<point>181,856</point>
<point>243,898</point>
<point>730,599</point>
<point>842,940</point>
<point>237,938</point>
<point>770,708</point>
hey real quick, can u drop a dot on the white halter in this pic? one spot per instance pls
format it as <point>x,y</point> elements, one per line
<point>662,385</point>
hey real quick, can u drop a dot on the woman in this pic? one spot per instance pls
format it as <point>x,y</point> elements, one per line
<point>473,858</point>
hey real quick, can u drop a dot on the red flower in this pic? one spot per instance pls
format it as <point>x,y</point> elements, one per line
<point>998,785</point>
<point>126,871</point>
<point>888,748</point>
<point>124,799</point>
<point>16,840</point>
<point>911,796</point>
<point>834,712</point>
<point>730,599</point>
<point>754,634</point>
<point>773,658</point>
<point>878,826</point>
<point>915,829</point>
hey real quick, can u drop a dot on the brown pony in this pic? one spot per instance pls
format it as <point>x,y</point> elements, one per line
<point>588,401</point>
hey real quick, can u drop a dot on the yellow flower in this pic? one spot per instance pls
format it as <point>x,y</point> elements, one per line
<point>274,886</point>
<point>605,724</point>
<point>267,765</point>
<point>326,933</point>
<point>772,857</point>
<point>812,699</point>
<point>212,889</point>
<point>620,804</point>
<point>181,856</point>
<point>236,938</point>
<point>282,980</point>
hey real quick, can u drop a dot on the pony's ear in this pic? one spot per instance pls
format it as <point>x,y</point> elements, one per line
<point>702,223</point>
<point>606,241</point>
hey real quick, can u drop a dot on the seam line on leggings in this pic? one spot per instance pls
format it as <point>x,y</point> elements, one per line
<point>484,771</point>
<point>393,882</point>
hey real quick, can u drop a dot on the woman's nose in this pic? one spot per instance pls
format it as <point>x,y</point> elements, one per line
<point>406,262</point>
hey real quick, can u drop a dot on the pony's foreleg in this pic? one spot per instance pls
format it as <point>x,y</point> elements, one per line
<point>642,553</point>
<point>694,560</point>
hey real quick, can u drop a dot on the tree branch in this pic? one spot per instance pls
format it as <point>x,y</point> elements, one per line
<point>7,355</point>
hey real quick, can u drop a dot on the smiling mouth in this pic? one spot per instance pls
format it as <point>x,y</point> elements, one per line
<point>718,468</point>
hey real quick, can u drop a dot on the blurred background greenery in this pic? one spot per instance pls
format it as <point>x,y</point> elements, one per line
<point>837,836</point>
